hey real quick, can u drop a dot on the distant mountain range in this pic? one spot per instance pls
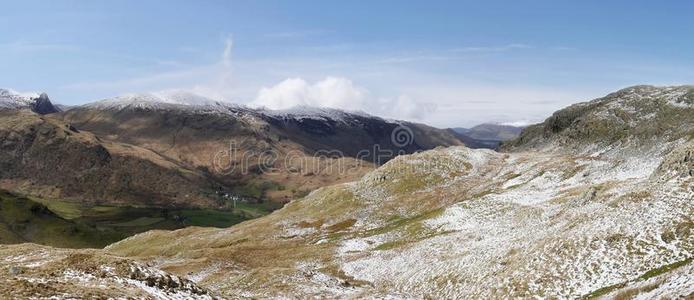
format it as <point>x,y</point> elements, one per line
<point>488,135</point>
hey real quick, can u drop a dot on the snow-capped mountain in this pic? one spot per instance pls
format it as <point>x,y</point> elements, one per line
<point>188,101</point>
<point>194,129</point>
<point>39,103</point>
<point>155,101</point>
<point>325,124</point>
<point>15,100</point>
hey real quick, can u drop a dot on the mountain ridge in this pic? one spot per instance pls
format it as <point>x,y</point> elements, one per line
<point>630,115</point>
<point>196,134</point>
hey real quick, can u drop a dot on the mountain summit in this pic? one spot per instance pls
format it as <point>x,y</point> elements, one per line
<point>40,104</point>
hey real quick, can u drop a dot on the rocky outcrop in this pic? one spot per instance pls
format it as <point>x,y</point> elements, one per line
<point>43,106</point>
<point>679,162</point>
<point>39,104</point>
<point>29,271</point>
<point>639,116</point>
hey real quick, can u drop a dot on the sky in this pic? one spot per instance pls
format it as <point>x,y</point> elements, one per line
<point>444,63</point>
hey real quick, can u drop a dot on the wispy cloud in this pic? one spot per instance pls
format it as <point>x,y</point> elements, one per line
<point>502,48</point>
<point>213,80</point>
<point>226,54</point>
<point>414,58</point>
<point>140,83</point>
<point>25,46</point>
<point>562,48</point>
<point>296,34</point>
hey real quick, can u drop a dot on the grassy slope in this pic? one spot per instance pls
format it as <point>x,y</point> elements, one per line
<point>68,224</point>
<point>24,220</point>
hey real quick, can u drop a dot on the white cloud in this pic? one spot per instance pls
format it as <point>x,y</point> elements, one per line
<point>520,123</point>
<point>503,48</point>
<point>24,46</point>
<point>213,80</point>
<point>226,54</point>
<point>340,93</point>
<point>334,92</point>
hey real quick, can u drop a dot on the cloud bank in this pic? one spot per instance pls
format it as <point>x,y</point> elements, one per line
<point>339,93</point>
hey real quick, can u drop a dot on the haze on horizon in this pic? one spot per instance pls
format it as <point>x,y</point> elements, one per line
<point>444,63</point>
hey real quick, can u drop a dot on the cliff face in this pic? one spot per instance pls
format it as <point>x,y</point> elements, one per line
<point>43,106</point>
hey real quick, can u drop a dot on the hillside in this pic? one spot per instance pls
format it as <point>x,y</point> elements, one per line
<point>612,219</point>
<point>276,155</point>
<point>474,224</point>
<point>23,220</point>
<point>639,116</point>
<point>45,157</point>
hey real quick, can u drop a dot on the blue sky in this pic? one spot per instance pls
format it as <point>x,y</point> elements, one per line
<point>446,63</point>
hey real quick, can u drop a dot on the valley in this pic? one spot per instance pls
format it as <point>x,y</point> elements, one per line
<point>594,202</point>
<point>72,225</point>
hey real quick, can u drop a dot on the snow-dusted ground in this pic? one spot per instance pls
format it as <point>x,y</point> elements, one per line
<point>547,232</point>
<point>38,272</point>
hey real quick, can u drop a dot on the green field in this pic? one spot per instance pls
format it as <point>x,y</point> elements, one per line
<point>68,224</point>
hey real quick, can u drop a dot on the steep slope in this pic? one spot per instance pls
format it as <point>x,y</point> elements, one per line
<point>278,155</point>
<point>45,157</point>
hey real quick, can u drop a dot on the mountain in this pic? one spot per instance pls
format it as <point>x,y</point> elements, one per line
<point>487,135</point>
<point>170,160</point>
<point>43,156</point>
<point>604,214</point>
<point>40,104</point>
<point>71,188</point>
<point>278,155</point>
<point>639,116</point>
